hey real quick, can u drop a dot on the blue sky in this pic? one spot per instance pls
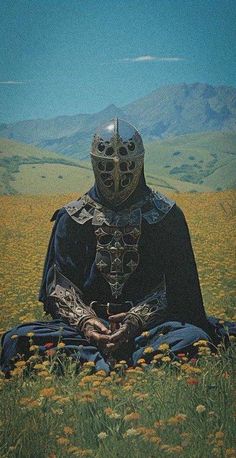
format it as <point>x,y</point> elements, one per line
<point>78,56</point>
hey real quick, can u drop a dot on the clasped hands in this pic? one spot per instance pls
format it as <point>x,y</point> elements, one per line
<point>112,338</point>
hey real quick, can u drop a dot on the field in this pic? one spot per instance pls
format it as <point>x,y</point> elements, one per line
<point>184,408</point>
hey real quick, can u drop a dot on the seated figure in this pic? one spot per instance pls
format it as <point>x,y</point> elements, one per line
<point>120,273</point>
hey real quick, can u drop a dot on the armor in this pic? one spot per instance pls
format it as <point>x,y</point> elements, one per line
<point>117,158</point>
<point>118,233</point>
<point>149,312</point>
<point>117,254</point>
<point>65,301</point>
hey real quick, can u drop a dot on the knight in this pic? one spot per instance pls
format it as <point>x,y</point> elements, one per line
<point>120,273</point>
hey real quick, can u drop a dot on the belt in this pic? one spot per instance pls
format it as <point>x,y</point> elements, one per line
<point>111,308</point>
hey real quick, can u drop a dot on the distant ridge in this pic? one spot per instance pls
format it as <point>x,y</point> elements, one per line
<point>169,111</point>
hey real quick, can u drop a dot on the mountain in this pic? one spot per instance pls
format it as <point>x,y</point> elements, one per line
<point>169,111</point>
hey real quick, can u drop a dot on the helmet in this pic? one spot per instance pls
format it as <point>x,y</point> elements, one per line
<point>117,159</point>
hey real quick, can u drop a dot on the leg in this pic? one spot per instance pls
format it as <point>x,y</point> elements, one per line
<point>180,338</point>
<point>47,334</point>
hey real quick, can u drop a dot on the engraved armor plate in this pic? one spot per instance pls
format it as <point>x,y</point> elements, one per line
<point>117,255</point>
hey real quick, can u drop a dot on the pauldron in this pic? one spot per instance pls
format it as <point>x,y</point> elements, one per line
<point>153,207</point>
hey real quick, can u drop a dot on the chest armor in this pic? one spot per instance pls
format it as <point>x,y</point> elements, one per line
<point>117,255</point>
<point>118,233</point>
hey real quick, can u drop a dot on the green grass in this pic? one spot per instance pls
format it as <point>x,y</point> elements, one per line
<point>195,158</point>
<point>150,412</point>
<point>52,178</point>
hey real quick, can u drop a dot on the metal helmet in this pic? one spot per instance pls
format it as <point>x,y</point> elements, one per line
<point>117,159</point>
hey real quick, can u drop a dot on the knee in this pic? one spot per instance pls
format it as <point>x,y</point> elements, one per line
<point>192,334</point>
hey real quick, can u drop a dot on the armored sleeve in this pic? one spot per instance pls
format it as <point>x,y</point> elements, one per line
<point>63,273</point>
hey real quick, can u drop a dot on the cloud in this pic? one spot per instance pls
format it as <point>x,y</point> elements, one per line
<point>149,58</point>
<point>13,82</point>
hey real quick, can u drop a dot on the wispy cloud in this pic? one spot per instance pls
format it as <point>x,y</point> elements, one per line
<point>148,58</point>
<point>13,82</point>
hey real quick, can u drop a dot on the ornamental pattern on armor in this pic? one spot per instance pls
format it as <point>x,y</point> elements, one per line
<point>117,255</point>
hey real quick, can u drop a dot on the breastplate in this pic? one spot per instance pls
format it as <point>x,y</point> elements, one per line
<point>117,255</point>
<point>118,233</point>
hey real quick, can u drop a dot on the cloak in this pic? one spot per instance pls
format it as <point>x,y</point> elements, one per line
<point>165,250</point>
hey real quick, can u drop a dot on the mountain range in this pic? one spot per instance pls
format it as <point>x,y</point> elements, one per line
<point>167,112</point>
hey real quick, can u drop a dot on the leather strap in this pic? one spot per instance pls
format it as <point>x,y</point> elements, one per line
<point>111,308</point>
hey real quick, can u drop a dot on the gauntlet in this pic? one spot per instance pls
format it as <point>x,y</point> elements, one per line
<point>65,301</point>
<point>148,313</point>
<point>69,306</point>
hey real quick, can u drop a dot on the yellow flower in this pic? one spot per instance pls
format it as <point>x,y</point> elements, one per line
<point>166,359</point>
<point>164,347</point>
<point>220,443</point>
<point>63,440</point>
<point>148,350</point>
<point>200,343</point>
<point>158,356</point>
<point>43,374</point>
<point>30,334</point>
<point>145,334</point>
<point>102,435</point>
<point>132,416</point>
<point>200,408</point>
<point>34,347</point>
<point>141,361</point>
<point>72,449</point>
<point>39,366</point>
<point>20,363</point>
<point>230,452</point>
<point>89,364</point>
<point>179,418</point>
<point>101,373</point>
<point>61,345</point>
<point>68,430</point>
<point>131,432</point>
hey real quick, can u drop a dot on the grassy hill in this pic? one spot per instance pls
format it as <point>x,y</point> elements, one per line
<point>205,160</point>
<point>187,163</point>
<point>26,169</point>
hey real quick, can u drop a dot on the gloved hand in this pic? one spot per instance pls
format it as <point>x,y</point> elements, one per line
<point>128,328</point>
<point>95,331</point>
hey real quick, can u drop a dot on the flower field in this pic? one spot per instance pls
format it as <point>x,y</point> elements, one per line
<point>166,408</point>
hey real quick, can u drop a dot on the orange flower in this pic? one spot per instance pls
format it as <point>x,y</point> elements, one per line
<point>47,392</point>
<point>192,381</point>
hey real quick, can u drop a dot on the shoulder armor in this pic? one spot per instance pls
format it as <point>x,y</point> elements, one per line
<point>82,210</point>
<point>153,208</point>
<point>158,207</point>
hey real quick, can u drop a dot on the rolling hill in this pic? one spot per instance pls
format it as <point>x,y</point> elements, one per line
<point>186,163</point>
